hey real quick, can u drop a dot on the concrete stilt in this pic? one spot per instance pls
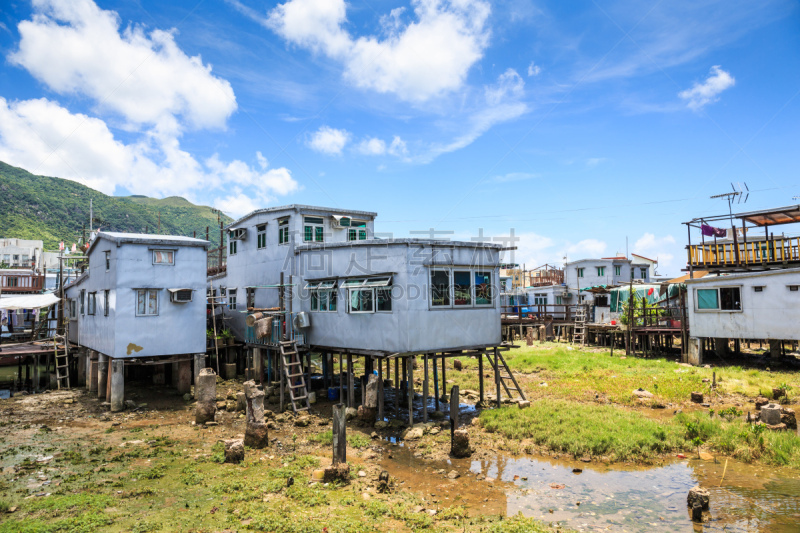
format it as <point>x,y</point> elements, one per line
<point>184,381</point>
<point>102,375</point>
<point>199,364</point>
<point>160,375</point>
<point>82,365</point>
<point>721,347</point>
<point>205,391</point>
<point>108,380</point>
<point>92,377</point>
<point>695,353</point>
<point>774,349</point>
<point>117,385</point>
<point>173,378</point>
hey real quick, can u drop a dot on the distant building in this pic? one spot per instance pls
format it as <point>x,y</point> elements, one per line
<point>21,253</point>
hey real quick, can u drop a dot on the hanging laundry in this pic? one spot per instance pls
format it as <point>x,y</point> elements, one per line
<point>650,292</point>
<point>711,231</point>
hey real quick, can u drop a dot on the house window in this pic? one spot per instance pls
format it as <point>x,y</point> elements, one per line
<point>462,287</point>
<point>251,297</point>
<point>283,231</point>
<point>105,302</point>
<point>163,257</point>
<point>759,288</point>
<point>362,297</point>
<point>724,299</point>
<point>559,300</point>
<point>357,231</point>
<point>580,272</point>
<point>440,288</point>
<point>323,295</point>
<point>601,271</point>
<point>261,236</point>
<point>313,229</point>
<point>146,302</point>
<point>232,246</point>
<point>643,272</point>
<point>73,309</point>
<point>540,299</point>
<point>793,288</point>
<point>108,260</point>
<point>601,301</point>
<point>232,299</point>
<point>83,302</point>
<point>483,288</point>
<point>617,270</point>
<point>92,303</point>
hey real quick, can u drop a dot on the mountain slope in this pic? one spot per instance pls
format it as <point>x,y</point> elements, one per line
<point>55,209</point>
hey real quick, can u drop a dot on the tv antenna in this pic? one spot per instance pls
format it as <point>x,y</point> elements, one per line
<point>740,194</point>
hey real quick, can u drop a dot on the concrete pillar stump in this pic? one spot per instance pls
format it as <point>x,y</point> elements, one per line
<point>774,349</point>
<point>184,373</point>
<point>695,352</point>
<point>234,451</point>
<point>205,392</point>
<point>117,367</point>
<point>93,371</point>
<point>82,365</point>
<point>159,375</point>
<point>102,375</point>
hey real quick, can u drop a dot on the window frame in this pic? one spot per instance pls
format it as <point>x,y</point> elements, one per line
<point>358,231</point>
<point>718,308</point>
<point>315,290</point>
<point>108,260</point>
<point>161,250</point>
<point>580,271</point>
<point>643,272</point>
<point>367,285</point>
<point>91,304</point>
<point>473,272</point>
<point>313,227</point>
<point>617,270</point>
<point>106,301</point>
<point>83,301</point>
<point>231,296</point>
<point>283,230</point>
<point>601,271</point>
<point>537,298</point>
<point>261,236</point>
<point>233,247</point>
<point>73,309</point>
<point>149,292</point>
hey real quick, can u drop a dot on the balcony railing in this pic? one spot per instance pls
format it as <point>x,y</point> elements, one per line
<point>21,283</point>
<point>776,251</point>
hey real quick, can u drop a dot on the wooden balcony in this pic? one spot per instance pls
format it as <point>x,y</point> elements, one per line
<point>777,252</point>
<point>12,282</point>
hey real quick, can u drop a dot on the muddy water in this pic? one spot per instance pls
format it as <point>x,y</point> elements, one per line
<point>749,499</point>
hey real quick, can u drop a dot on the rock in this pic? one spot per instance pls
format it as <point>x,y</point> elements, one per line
<point>187,397</point>
<point>788,418</point>
<point>211,424</point>
<point>365,496</point>
<point>480,477</point>
<point>760,402</point>
<point>453,475</point>
<point>371,392</point>
<point>234,450</point>
<point>698,495</point>
<point>641,393</point>
<point>523,404</point>
<point>380,425</point>
<point>130,404</point>
<point>457,365</point>
<point>221,405</point>
<point>383,481</point>
<point>413,433</point>
<point>577,470</point>
<point>367,414</point>
<point>361,473</point>
<point>350,413</point>
<point>697,512</point>
<point>241,402</point>
<point>396,424</point>
<point>777,427</point>
<point>256,435</point>
<point>460,445</point>
<point>302,421</point>
<point>697,397</point>
<point>230,406</point>
<point>437,415</point>
<point>771,414</point>
<point>705,456</point>
<point>435,430</point>
<point>777,394</point>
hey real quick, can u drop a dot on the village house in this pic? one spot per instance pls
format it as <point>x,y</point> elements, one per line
<point>141,297</point>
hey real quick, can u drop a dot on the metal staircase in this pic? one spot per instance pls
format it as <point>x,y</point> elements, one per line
<point>506,376</point>
<point>62,363</point>
<point>579,333</point>
<point>294,376</point>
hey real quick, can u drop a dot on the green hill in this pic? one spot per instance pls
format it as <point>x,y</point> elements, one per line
<point>55,209</point>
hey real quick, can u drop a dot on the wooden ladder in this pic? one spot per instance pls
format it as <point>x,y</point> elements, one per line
<point>294,376</point>
<point>505,376</point>
<point>579,335</point>
<point>62,363</point>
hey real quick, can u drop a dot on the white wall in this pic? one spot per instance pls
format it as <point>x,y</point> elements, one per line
<point>773,313</point>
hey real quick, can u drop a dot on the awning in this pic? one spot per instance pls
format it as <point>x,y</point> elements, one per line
<point>28,301</point>
<point>593,287</point>
<point>173,291</point>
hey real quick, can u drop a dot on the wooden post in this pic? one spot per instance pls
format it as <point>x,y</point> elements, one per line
<point>444,378</point>
<point>397,386</point>
<point>381,390</point>
<point>351,391</point>
<point>339,434</point>
<point>410,387</point>
<point>480,373</point>
<point>455,401</point>
<point>497,377</point>
<point>425,389</point>
<point>436,383</point>
<point>341,381</point>
<point>281,377</point>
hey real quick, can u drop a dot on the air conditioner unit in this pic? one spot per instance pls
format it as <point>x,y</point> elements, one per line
<point>566,295</point>
<point>180,296</point>
<point>239,234</point>
<point>340,222</point>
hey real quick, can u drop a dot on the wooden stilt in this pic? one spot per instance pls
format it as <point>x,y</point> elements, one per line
<point>397,386</point>
<point>425,389</point>
<point>444,378</point>
<point>381,390</point>
<point>410,387</point>
<point>350,377</point>
<point>497,378</point>
<point>341,381</point>
<point>436,382</point>
<point>480,374</point>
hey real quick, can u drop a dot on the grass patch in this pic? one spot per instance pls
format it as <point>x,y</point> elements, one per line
<point>325,438</point>
<point>358,440</point>
<point>581,430</point>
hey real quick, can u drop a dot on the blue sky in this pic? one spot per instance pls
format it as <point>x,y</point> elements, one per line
<point>577,125</point>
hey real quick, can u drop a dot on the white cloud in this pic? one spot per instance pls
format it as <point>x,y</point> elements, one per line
<point>661,248</point>
<point>417,61</point>
<point>74,47</point>
<point>514,176</point>
<point>587,248</point>
<point>702,94</point>
<point>509,85</point>
<point>594,161</point>
<point>534,69</point>
<point>372,146</point>
<point>329,140</point>
<point>532,250</point>
<point>398,148</point>
<point>262,161</point>
<point>45,138</point>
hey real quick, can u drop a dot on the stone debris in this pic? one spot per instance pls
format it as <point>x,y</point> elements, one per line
<point>771,414</point>
<point>698,495</point>
<point>460,445</point>
<point>641,393</point>
<point>697,397</point>
<point>234,450</point>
